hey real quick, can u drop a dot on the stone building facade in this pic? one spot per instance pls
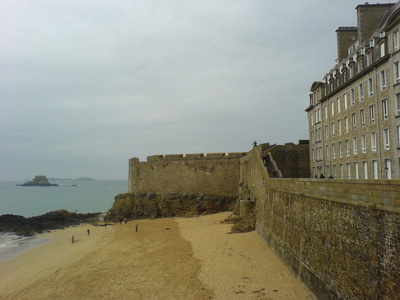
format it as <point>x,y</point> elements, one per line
<point>354,113</point>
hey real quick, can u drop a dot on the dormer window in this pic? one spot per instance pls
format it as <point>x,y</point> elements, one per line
<point>382,49</point>
<point>369,58</point>
<point>396,40</point>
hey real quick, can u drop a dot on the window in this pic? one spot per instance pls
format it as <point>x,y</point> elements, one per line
<point>385,109</point>
<point>347,146</point>
<point>348,171</point>
<point>312,119</point>
<point>339,127</point>
<point>388,169</point>
<point>364,143</point>
<point>356,170</point>
<point>382,49</point>
<point>333,128</point>
<point>398,136</point>
<point>386,140</point>
<point>352,100</point>
<point>375,169</point>
<point>370,87</point>
<point>333,150</point>
<point>312,155</point>
<point>365,169</point>
<point>398,103</point>
<point>345,101</point>
<point>334,170</point>
<point>362,117</point>
<point>396,72</point>
<point>360,92</point>
<point>369,58</point>
<point>396,40</point>
<point>373,141</point>
<point>372,114</point>
<point>332,108</point>
<point>341,171</point>
<point>354,120</point>
<point>327,151</point>
<point>319,115</point>
<point>338,105</point>
<point>326,131</point>
<point>340,149</point>
<point>383,80</point>
<point>355,147</point>
<point>326,112</point>
<point>346,124</point>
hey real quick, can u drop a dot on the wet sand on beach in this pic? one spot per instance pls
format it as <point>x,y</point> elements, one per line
<point>176,258</point>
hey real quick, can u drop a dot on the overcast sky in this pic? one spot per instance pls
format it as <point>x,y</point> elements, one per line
<point>86,85</point>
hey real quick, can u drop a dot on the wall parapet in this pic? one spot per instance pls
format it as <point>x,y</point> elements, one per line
<point>195,156</point>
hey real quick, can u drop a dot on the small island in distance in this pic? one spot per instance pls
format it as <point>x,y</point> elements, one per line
<point>39,180</point>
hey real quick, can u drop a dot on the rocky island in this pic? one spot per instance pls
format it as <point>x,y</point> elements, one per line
<point>39,180</point>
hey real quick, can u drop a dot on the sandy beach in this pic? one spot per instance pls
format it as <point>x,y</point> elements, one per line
<point>176,258</point>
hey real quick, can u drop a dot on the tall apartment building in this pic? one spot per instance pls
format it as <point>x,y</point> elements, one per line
<point>354,112</point>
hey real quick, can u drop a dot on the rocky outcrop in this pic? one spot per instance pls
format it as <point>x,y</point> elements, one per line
<point>39,180</point>
<point>52,220</point>
<point>140,206</point>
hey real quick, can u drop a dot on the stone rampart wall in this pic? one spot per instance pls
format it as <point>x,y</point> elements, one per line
<point>341,238</point>
<point>210,174</point>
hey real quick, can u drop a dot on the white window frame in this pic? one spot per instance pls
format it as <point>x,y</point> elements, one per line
<point>355,146</point>
<point>382,49</point>
<point>365,169</point>
<point>356,170</point>
<point>347,147</point>
<point>339,127</point>
<point>370,87</point>
<point>340,149</point>
<point>360,92</point>
<point>364,143</point>
<point>385,112</point>
<point>354,121</point>
<point>396,40</point>
<point>333,150</point>
<point>386,139</point>
<point>398,103</point>
<point>373,141</point>
<point>327,151</point>
<point>362,117</point>
<point>352,97</point>
<point>333,128</point>
<point>348,170</point>
<point>383,80</point>
<point>372,114</point>
<point>375,169</point>
<point>345,101</point>
<point>396,72</point>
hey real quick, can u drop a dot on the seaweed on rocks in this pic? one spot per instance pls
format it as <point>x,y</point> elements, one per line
<point>58,219</point>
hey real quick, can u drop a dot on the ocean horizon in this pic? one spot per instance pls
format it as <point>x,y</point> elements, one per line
<point>72,195</point>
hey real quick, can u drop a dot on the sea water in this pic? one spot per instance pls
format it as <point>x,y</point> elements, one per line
<point>74,196</point>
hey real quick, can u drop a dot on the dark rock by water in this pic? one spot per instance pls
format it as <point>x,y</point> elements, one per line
<point>52,220</point>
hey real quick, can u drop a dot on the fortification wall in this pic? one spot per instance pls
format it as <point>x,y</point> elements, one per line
<point>339,237</point>
<point>210,174</point>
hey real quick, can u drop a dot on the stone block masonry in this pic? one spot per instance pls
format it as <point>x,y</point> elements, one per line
<point>210,174</point>
<point>341,238</point>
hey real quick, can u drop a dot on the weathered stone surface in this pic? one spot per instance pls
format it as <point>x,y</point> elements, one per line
<point>151,205</point>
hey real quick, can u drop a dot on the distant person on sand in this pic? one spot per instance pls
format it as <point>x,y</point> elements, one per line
<point>137,228</point>
<point>88,232</point>
<point>73,239</point>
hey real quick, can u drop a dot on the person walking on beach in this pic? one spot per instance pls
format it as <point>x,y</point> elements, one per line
<point>73,239</point>
<point>137,228</point>
<point>88,232</point>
